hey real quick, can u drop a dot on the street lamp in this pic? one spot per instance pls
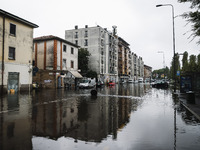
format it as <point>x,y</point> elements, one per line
<point>160,5</point>
<point>163,61</point>
<point>163,58</point>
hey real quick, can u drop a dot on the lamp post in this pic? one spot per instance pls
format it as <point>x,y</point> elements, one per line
<point>163,61</point>
<point>163,58</point>
<point>160,5</point>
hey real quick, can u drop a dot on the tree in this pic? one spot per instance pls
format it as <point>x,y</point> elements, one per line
<point>177,67</point>
<point>83,59</point>
<point>198,63</point>
<point>91,74</point>
<point>193,16</point>
<point>185,62</point>
<point>192,63</point>
<point>160,72</point>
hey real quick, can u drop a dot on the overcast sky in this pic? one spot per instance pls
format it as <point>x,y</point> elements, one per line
<point>145,27</point>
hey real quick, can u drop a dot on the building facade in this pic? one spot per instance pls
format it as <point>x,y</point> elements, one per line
<point>103,47</point>
<point>111,56</point>
<point>140,67</point>
<point>147,72</point>
<point>57,56</point>
<point>124,61</point>
<point>16,46</point>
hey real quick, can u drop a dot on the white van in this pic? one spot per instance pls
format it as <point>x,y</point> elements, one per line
<point>87,83</point>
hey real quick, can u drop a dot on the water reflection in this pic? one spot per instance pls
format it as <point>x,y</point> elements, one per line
<point>81,118</point>
<point>14,123</point>
<point>121,117</point>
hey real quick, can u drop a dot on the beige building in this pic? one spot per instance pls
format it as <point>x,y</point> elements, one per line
<point>124,65</point>
<point>16,45</point>
<point>147,72</point>
<point>54,57</point>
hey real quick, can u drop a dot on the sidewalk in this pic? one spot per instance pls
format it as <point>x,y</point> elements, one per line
<point>194,108</point>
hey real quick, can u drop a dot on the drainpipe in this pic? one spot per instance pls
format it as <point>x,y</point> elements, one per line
<point>3,55</point>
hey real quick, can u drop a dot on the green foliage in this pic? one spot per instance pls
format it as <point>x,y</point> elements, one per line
<point>158,73</point>
<point>177,66</point>
<point>198,63</point>
<point>192,64</point>
<point>185,62</point>
<point>91,74</point>
<point>83,59</point>
<point>193,16</point>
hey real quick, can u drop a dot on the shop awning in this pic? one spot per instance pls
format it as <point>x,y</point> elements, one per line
<point>76,74</point>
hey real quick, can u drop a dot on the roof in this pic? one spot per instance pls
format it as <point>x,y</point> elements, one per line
<point>51,37</point>
<point>9,15</point>
<point>120,39</point>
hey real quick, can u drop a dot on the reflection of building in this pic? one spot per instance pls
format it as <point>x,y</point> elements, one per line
<point>56,56</point>
<point>16,45</point>
<point>15,125</point>
<point>82,119</point>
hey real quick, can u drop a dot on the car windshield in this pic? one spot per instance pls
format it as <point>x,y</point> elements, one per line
<point>84,81</point>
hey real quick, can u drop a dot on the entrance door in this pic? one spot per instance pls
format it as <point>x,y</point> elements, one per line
<point>13,81</point>
<point>59,82</point>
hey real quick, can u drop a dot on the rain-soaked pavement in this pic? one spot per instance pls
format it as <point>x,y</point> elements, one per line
<point>123,117</point>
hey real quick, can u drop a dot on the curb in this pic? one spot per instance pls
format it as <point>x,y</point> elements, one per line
<point>195,114</point>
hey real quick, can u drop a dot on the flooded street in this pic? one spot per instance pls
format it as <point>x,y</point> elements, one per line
<point>122,117</point>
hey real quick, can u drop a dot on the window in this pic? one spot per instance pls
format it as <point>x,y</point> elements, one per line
<point>76,42</point>
<point>86,33</point>
<point>12,29</point>
<point>72,50</point>
<point>86,42</point>
<point>64,48</point>
<point>72,64</point>
<point>76,35</point>
<point>64,63</point>
<point>11,54</point>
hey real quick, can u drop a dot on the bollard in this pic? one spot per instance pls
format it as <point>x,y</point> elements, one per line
<point>93,92</point>
<point>191,97</point>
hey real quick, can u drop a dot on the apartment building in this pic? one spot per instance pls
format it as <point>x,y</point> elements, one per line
<point>140,67</point>
<point>16,46</point>
<point>132,67</point>
<point>147,72</point>
<point>135,57</point>
<point>103,47</point>
<point>124,61</point>
<point>57,56</point>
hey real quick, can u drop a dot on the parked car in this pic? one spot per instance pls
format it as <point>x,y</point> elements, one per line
<point>99,84</point>
<point>111,83</point>
<point>87,83</point>
<point>160,84</point>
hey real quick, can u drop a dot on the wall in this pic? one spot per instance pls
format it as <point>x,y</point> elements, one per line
<point>23,43</point>
<point>45,79</point>
<point>40,46</point>
<point>93,44</point>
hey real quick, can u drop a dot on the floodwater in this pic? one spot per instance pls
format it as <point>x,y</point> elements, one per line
<point>122,117</point>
